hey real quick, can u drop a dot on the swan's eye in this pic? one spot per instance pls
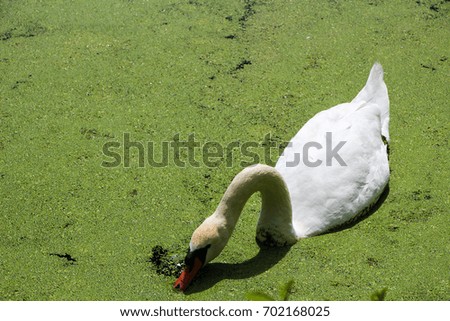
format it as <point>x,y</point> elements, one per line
<point>189,259</point>
<point>198,253</point>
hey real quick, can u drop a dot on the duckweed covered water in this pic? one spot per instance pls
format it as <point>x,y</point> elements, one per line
<point>77,75</point>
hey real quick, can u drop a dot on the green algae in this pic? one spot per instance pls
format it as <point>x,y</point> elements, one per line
<point>75,75</point>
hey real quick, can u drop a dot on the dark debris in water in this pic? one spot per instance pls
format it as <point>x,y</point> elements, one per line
<point>165,264</point>
<point>65,256</point>
<point>241,65</point>
<point>92,133</point>
<point>420,195</point>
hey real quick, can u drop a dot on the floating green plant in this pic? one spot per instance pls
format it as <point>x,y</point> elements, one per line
<point>284,292</point>
<point>379,295</point>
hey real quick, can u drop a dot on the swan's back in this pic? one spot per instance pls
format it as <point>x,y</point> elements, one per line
<point>336,166</point>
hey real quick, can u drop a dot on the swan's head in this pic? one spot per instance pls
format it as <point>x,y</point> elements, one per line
<point>207,241</point>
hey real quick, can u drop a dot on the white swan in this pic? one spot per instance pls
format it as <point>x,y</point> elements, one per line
<point>333,170</point>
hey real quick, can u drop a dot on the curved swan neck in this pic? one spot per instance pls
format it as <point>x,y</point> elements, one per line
<point>276,204</point>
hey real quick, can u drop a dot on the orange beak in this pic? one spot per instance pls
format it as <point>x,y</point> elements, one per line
<point>187,275</point>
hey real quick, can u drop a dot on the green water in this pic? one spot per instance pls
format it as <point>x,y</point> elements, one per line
<point>76,75</point>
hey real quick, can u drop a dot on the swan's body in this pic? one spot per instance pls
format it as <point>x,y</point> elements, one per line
<point>333,169</point>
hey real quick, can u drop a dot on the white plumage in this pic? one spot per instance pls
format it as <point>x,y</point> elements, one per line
<point>333,169</point>
<point>329,195</point>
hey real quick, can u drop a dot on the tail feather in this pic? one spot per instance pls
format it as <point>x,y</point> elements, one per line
<point>375,91</point>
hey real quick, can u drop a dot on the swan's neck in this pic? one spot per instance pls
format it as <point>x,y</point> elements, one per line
<point>275,221</point>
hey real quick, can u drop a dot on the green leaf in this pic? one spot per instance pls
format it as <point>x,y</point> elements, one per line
<point>379,295</point>
<point>259,296</point>
<point>286,290</point>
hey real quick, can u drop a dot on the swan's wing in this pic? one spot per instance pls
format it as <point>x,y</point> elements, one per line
<point>335,167</point>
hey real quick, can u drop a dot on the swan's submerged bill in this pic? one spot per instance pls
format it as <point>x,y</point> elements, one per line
<point>303,199</point>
